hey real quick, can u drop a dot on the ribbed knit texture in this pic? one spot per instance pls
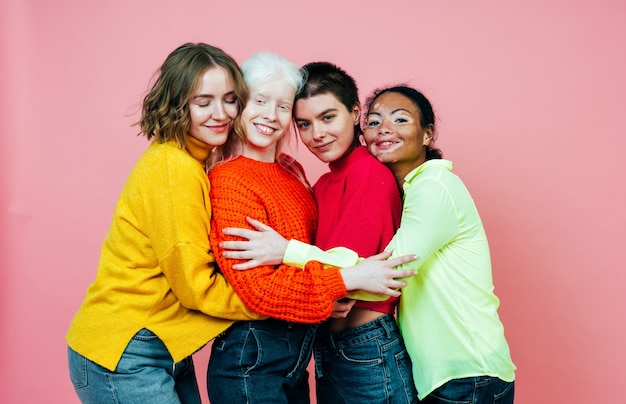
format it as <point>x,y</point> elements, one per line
<point>267,192</point>
<point>359,208</point>
<point>156,270</point>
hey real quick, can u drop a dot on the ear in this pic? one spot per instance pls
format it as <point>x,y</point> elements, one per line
<point>428,135</point>
<point>362,140</point>
<point>356,114</point>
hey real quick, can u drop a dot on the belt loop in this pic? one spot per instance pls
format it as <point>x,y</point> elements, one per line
<point>384,321</point>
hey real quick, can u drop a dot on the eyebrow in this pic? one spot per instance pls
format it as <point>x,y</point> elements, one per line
<point>320,115</point>
<point>392,112</point>
<point>211,95</point>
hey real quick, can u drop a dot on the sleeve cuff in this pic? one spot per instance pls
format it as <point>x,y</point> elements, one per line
<point>299,253</point>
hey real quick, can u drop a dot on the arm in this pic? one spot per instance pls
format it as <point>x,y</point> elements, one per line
<point>176,203</point>
<point>369,279</point>
<point>279,291</point>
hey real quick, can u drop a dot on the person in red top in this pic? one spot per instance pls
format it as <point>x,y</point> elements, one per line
<point>265,361</point>
<point>360,358</point>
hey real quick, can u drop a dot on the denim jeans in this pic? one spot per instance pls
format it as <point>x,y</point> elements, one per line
<point>473,390</point>
<point>364,364</point>
<point>145,373</point>
<point>261,362</point>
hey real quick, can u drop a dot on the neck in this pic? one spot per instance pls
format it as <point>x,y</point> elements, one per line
<point>400,171</point>
<point>264,154</point>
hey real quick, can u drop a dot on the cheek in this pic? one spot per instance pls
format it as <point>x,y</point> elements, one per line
<point>305,135</point>
<point>247,114</point>
<point>194,116</point>
<point>369,138</point>
<point>285,119</point>
<point>232,110</point>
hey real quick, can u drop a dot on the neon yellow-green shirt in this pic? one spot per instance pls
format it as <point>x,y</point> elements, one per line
<point>156,270</point>
<point>448,312</point>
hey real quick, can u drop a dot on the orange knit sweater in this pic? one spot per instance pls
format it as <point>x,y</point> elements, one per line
<point>267,192</point>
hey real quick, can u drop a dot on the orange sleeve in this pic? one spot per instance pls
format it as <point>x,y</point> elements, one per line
<point>282,292</point>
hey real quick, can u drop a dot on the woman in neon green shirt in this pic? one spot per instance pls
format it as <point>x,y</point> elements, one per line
<point>448,312</point>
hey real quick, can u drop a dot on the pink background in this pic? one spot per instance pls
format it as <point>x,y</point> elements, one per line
<point>531,100</point>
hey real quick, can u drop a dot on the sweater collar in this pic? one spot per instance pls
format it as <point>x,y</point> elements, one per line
<point>347,160</point>
<point>200,151</point>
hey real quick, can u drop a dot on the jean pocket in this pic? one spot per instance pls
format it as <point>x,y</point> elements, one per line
<point>506,395</point>
<point>78,368</point>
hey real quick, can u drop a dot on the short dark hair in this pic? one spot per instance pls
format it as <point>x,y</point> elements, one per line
<point>326,77</point>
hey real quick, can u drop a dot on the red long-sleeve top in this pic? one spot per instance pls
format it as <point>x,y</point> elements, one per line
<point>359,208</point>
<point>269,193</point>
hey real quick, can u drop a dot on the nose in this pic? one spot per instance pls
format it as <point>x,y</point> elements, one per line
<point>218,111</point>
<point>384,127</point>
<point>319,132</point>
<point>270,112</point>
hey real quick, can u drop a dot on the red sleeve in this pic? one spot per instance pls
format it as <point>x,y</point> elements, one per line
<point>282,292</point>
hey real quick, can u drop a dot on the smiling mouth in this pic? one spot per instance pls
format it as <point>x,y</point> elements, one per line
<point>266,130</point>
<point>219,128</point>
<point>385,144</point>
<point>324,147</point>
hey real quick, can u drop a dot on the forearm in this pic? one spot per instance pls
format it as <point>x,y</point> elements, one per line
<point>193,279</point>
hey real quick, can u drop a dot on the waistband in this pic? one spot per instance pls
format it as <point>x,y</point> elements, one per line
<point>384,325</point>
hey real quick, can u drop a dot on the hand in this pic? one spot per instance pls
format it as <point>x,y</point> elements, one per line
<point>376,274</point>
<point>262,246</point>
<point>342,307</point>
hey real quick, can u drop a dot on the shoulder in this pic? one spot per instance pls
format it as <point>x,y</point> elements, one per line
<point>369,170</point>
<point>229,168</point>
<point>291,165</point>
<point>167,160</point>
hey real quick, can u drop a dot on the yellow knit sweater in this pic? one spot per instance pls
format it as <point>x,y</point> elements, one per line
<point>156,269</point>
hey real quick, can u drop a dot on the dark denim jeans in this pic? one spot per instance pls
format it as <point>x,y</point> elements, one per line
<point>364,364</point>
<point>473,390</point>
<point>261,362</point>
<point>146,373</point>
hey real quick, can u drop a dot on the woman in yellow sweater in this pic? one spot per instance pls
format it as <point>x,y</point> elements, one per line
<point>157,297</point>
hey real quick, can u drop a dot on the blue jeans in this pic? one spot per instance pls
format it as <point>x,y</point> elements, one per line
<point>473,390</point>
<point>364,364</point>
<point>261,362</point>
<point>145,373</point>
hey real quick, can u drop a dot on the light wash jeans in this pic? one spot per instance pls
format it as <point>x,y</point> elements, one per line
<point>364,364</point>
<point>146,374</point>
<point>473,390</point>
<point>261,362</point>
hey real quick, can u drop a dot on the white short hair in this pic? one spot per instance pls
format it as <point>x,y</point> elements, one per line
<point>263,66</point>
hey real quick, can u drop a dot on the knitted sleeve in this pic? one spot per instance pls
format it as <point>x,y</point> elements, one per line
<point>283,292</point>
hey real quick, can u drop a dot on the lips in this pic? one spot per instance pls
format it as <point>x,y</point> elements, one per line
<point>219,128</point>
<point>264,129</point>
<point>324,147</point>
<point>385,144</point>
